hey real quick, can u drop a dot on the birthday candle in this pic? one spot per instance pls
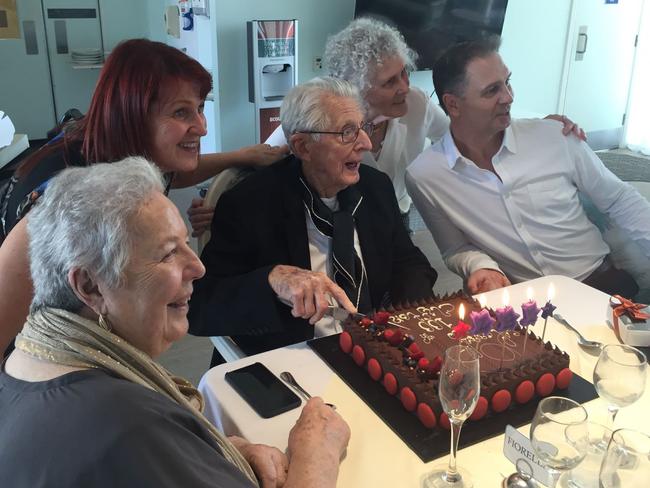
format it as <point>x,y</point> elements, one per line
<point>506,320</point>
<point>549,308</point>
<point>461,329</point>
<point>529,311</point>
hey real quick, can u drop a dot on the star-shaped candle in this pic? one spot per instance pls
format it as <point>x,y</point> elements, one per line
<point>462,329</point>
<point>529,311</point>
<point>506,321</point>
<point>506,316</point>
<point>549,308</point>
<point>482,321</point>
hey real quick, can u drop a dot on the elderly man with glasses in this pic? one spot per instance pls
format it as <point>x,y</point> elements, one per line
<point>313,230</point>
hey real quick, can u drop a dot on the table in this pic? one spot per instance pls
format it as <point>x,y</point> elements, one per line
<point>376,457</point>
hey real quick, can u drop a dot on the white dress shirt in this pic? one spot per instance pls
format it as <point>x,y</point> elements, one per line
<point>530,222</point>
<point>320,255</point>
<point>404,140</point>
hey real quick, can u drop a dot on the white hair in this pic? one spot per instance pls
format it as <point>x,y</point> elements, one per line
<point>303,108</point>
<point>354,53</point>
<point>82,221</point>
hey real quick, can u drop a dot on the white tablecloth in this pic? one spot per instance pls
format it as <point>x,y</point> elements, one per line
<point>376,457</point>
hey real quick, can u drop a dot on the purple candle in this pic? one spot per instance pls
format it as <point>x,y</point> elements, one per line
<point>529,310</point>
<point>482,322</point>
<point>506,318</point>
<point>548,309</point>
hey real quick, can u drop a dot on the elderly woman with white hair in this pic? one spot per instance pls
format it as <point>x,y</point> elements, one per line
<point>83,402</point>
<point>375,58</point>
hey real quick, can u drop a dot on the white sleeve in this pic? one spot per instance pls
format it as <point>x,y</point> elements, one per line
<point>460,256</point>
<point>619,200</point>
<point>277,137</point>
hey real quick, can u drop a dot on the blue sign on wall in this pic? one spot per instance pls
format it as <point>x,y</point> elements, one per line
<point>611,1</point>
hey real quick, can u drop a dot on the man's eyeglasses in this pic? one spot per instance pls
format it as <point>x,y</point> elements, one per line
<point>348,134</point>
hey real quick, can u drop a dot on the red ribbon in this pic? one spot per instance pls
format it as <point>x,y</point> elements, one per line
<point>628,307</point>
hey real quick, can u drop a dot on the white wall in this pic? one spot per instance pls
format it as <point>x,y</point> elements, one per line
<point>534,38</point>
<point>122,19</point>
<point>317,19</point>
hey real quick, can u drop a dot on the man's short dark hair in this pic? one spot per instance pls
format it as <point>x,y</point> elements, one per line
<point>449,70</point>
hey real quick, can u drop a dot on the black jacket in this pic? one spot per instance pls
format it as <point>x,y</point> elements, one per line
<point>261,223</point>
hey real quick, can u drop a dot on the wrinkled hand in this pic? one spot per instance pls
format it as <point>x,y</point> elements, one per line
<point>483,280</point>
<point>269,464</point>
<point>200,217</point>
<point>307,291</point>
<point>264,154</point>
<point>319,430</point>
<point>570,127</point>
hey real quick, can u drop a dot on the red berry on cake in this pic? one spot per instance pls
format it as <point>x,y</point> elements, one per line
<point>423,363</point>
<point>395,339</point>
<point>381,318</point>
<point>365,322</point>
<point>415,352</point>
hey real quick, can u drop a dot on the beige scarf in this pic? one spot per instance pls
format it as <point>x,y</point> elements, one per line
<point>65,338</point>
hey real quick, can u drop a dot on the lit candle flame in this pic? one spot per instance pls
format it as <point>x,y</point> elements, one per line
<point>551,292</point>
<point>506,297</point>
<point>482,300</point>
<point>461,312</point>
<point>529,293</point>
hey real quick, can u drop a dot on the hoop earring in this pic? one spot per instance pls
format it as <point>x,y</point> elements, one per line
<point>103,323</point>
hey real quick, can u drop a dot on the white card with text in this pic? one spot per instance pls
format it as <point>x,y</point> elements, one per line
<point>518,450</point>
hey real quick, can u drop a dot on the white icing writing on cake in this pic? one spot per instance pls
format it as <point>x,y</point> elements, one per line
<point>429,319</point>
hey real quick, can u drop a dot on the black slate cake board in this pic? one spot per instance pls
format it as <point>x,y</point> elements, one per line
<point>430,444</point>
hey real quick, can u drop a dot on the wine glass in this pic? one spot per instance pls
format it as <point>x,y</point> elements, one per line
<point>585,475</point>
<point>620,376</point>
<point>627,460</point>
<point>559,434</point>
<point>459,389</point>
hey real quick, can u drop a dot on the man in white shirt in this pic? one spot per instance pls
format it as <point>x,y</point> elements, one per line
<point>501,196</point>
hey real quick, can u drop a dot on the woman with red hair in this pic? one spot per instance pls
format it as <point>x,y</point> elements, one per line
<point>148,102</point>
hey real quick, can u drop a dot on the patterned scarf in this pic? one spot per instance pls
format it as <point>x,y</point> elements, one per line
<point>63,337</point>
<point>349,271</point>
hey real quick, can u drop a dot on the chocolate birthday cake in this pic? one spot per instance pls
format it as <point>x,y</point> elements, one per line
<point>404,348</point>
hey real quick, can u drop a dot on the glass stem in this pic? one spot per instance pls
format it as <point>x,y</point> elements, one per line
<point>452,473</point>
<point>613,410</point>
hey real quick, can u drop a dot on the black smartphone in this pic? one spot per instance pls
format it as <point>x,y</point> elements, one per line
<point>262,390</point>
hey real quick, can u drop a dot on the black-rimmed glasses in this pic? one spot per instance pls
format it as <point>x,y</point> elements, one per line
<point>348,135</point>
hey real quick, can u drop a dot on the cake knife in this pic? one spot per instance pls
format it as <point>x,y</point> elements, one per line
<point>340,314</point>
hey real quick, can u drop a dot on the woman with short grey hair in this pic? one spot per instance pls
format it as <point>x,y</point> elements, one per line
<point>112,273</point>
